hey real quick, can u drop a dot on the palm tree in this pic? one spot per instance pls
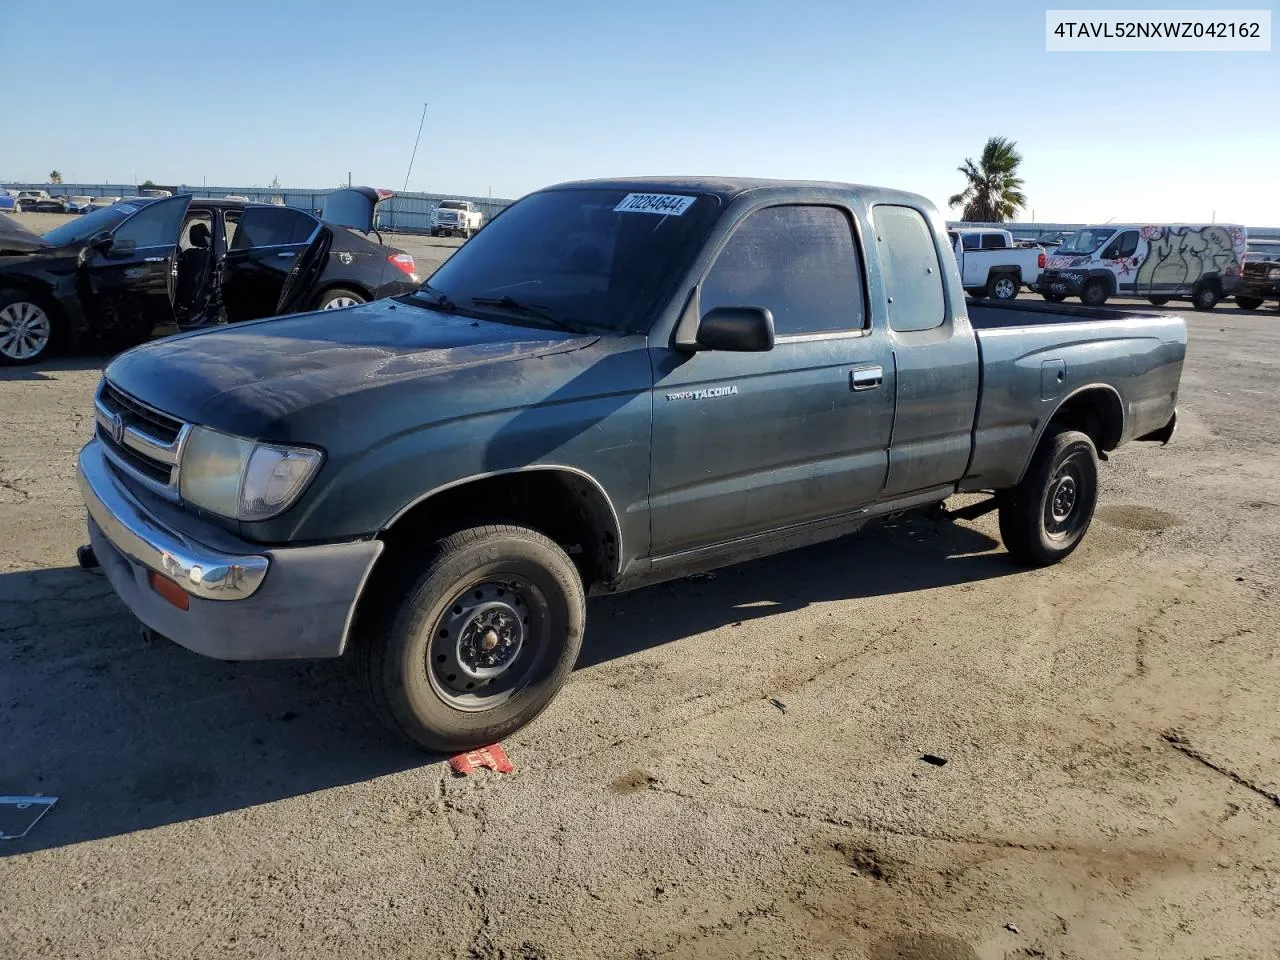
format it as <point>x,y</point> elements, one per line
<point>55,176</point>
<point>994,192</point>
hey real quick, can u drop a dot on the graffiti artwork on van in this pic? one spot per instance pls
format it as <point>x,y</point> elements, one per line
<point>1177,257</point>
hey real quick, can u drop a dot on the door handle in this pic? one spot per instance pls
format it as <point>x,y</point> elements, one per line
<point>153,260</point>
<point>866,378</point>
<point>286,254</point>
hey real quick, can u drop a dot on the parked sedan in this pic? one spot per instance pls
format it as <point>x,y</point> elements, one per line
<point>39,201</point>
<point>79,204</point>
<point>99,202</point>
<point>116,273</point>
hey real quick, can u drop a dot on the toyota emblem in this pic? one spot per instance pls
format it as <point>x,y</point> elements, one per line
<point>117,428</point>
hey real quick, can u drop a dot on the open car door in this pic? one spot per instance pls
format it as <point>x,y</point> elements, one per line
<point>132,272</point>
<point>267,253</point>
<point>353,207</point>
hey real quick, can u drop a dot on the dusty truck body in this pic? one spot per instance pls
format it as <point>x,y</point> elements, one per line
<point>615,383</point>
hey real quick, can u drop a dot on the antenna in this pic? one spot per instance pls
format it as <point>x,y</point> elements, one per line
<point>412,156</point>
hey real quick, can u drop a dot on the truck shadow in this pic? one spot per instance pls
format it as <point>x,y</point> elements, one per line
<point>132,735</point>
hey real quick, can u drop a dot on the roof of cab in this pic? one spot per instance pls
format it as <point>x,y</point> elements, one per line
<point>729,188</point>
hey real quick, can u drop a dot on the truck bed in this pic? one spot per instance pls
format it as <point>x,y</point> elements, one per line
<point>1033,357</point>
<point>990,314</point>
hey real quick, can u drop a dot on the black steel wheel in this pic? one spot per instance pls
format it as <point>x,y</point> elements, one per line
<point>1046,516</point>
<point>479,643</point>
<point>1248,303</point>
<point>1095,292</point>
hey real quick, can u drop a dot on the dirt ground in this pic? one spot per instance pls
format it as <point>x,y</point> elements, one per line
<point>735,768</point>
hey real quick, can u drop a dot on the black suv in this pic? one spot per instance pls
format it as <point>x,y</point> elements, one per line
<point>1260,276</point>
<point>119,272</point>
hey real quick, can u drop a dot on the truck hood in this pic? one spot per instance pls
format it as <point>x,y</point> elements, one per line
<point>246,378</point>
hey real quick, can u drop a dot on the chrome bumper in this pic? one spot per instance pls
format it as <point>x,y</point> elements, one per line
<point>291,602</point>
<point>200,571</point>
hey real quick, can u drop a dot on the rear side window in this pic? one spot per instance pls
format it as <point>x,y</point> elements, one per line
<point>972,241</point>
<point>271,227</point>
<point>800,262</point>
<point>993,241</point>
<point>912,274</point>
<point>155,225</point>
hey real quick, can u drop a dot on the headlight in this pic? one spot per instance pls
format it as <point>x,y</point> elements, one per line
<point>243,479</point>
<point>1273,273</point>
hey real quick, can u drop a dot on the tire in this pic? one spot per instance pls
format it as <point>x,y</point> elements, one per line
<point>1054,297</point>
<point>28,328</point>
<point>466,234</point>
<point>415,664</point>
<point>335,298</point>
<point>1003,286</point>
<point>1094,293</point>
<point>977,294</point>
<point>1046,516</point>
<point>1248,303</point>
<point>1157,301</point>
<point>1205,297</point>
<point>435,232</point>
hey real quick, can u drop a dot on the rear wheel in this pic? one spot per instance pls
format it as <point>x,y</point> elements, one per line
<point>336,298</point>
<point>1046,516</point>
<point>1002,286</point>
<point>1205,297</point>
<point>481,641</point>
<point>1157,301</point>
<point>1095,293</point>
<point>26,328</point>
<point>1248,303</point>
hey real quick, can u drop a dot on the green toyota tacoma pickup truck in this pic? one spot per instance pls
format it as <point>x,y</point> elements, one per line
<point>615,383</point>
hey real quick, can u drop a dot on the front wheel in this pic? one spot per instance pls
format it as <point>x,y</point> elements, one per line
<point>336,298</point>
<point>1095,293</point>
<point>480,643</point>
<point>26,328</point>
<point>1045,516</point>
<point>1054,297</point>
<point>1248,303</point>
<point>1157,301</point>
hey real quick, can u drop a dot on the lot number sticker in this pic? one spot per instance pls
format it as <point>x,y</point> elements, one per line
<point>663,204</point>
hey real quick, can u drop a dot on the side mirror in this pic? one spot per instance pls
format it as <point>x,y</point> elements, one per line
<point>121,248</point>
<point>739,329</point>
<point>101,242</point>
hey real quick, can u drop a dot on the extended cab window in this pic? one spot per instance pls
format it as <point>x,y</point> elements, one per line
<point>993,241</point>
<point>801,262</point>
<point>272,227</point>
<point>155,225</point>
<point>909,263</point>
<point>972,241</point>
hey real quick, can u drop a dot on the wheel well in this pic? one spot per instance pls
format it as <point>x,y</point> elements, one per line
<point>1096,411</point>
<point>351,285</point>
<point>570,509</point>
<point>37,291</point>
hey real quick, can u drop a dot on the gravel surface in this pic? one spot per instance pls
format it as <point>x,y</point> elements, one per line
<point>734,769</point>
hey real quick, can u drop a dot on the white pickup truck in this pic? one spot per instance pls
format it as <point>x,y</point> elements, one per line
<point>991,265</point>
<point>453,217</point>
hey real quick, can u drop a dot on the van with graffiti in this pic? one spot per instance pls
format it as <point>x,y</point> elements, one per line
<point>1156,262</point>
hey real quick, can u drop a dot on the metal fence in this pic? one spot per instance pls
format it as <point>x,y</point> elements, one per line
<point>411,212</point>
<point>404,212</point>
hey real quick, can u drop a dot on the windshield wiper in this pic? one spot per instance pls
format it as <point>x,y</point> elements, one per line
<point>529,310</point>
<point>440,299</point>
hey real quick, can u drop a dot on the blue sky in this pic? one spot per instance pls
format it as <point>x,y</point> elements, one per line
<point>526,94</point>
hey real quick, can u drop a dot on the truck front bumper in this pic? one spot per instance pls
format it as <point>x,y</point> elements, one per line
<point>1262,289</point>
<point>243,601</point>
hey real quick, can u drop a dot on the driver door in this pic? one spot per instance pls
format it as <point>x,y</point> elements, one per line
<point>271,247</point>
<point>132,274</point>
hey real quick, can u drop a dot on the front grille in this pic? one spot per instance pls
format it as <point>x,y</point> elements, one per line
<point>1258,268</point>
<point>140,440</point>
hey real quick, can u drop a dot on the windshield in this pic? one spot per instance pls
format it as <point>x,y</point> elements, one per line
<point>573,253</point>
<point>452,205</point>
<point>83,227</point>
<point>1085,241</point>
